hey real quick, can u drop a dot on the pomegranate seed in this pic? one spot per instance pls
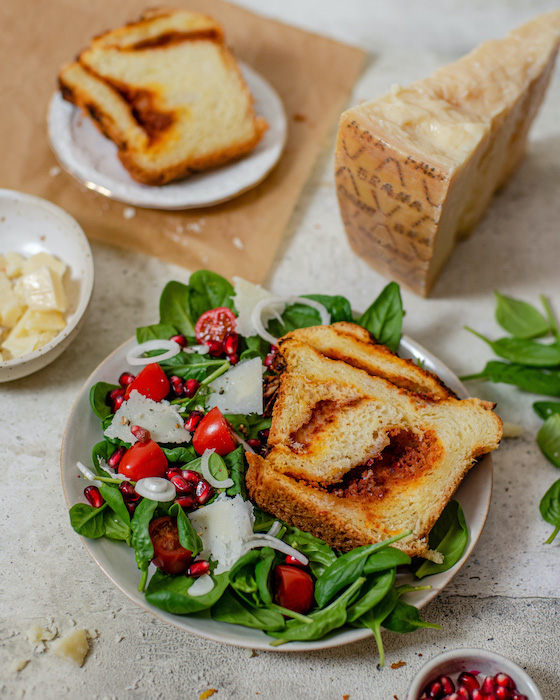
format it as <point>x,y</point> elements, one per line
<point>463,693</point>
<point>518,696</point>
<point>115,393</point>
<point>488,685</point>
<point>116,457</point>
<point>468,680</point>
<point>263,435</point>
<point>504,681</point>
<point>502,693</point>
<point>198,568</point>
<point>255,444</point>
<point>230,343</point>
<point>191,476</point>
<point>191,387</point>
<point>177,384</point>
<point>180,340</point>
<point>141,434</point>
<point>476,694</point>
<point>268,360</point>
<point>126,378</point>
<point>204,492</point>
<point>452,696</point>
<point>183,486</point>
<point>128,492</point>
<point>131,506</point>
<point>434,690</point>
<point>94,496</point>
<point>187,502</point>
<point>193,420</point>
<point>489,696</point>
<point>170,471</point>
<point>118,403</point>
<point>215,347</point>
<point>233,358</point>
<point>447,684</point>
<point>273,350</point>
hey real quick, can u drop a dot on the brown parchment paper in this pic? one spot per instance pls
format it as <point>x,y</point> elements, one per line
<point>312,74</point>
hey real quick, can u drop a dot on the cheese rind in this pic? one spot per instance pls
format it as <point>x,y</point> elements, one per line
<point>416,169</point>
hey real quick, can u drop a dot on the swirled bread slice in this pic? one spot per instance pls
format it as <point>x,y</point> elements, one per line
<point>354,458</point>
<point>168,92</point>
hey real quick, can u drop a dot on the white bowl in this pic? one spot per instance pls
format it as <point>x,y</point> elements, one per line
<point>30,225</point>
<point>486,663</point>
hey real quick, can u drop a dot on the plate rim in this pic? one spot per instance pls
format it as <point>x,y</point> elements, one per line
<point>154,197</point>
<point>262,641</point>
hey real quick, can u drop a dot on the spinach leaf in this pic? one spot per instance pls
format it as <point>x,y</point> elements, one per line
<point>550,509</point>
<point>115,527</point>
<point>140,541</point>
<point>113,498</point>
<point>250,425</point>
<point>171,593</point>
<point>102,450</point>
<point>255,346</point>
<point>231,608</point>
<point>406,618</point>
<point>374,590</point>
<point>188,536</point>
<point>346,569</point>
<point>208,290</point>
<point>242,577</point>
<point>338,306</point>
<point>87,520</point>
<point>544,409</point>
<point>184,455</point>
<point>235,464</point>
<point>448,536</point>
<point>383,319</point>
<point>538,381</point>
<point>98,399</point>
<point>374,618</point>
<point>388,558</point>
<point>263,569</point>
<point>174,308</point>
<point>548,439</point>
<point>191,366</point>
<point>519,318</point>
<point>320,555</point>
<point>323,621</point>
<point>157,331</point>
<point>524,352</point>
<point>263,520</point>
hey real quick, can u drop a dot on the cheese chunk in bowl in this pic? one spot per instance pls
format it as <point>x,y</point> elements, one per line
<point>46,281</point>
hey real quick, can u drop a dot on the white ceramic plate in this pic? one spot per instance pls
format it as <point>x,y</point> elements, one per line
<point>91,158</point>
<point>117,560</point>
<point>30,225</point>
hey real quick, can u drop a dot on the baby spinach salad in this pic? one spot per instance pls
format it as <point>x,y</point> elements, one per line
<point>168,477</point>
<point>532,353</point>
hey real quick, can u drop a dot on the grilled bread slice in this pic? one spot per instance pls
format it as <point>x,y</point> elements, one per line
<point>354,458</point>
<point>168,92</point>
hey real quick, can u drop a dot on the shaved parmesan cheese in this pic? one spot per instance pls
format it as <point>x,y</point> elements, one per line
<point>74,646</point>
<point>159,417</point>
<point>224,526</point>
<point>240,389</point>
<point>247,296</point>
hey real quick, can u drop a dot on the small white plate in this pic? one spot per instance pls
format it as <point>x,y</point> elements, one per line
<point>92,159</point>
<point>30,225</point>
<point>116,559</point>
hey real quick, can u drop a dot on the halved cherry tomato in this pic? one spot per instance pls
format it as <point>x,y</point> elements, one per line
<point>293,588</point>
<point>214,433</point>
<point>169,554</point>
<point>143,459</point>
<point>215,324</point>
<point>151,383</point>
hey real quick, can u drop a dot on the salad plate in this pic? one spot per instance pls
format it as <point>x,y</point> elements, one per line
<point>92,159</point>
<point>117,560</point>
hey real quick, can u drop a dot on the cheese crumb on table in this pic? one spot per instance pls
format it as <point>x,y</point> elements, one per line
<point>74,646</point>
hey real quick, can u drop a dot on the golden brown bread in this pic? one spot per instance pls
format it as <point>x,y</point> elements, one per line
<point>353,457</point>
<point>168,92</point>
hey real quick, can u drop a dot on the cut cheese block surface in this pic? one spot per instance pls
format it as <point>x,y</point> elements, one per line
<point>417,168</point>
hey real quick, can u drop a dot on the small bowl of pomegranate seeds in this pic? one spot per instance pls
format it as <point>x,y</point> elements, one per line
<point>472,674</point>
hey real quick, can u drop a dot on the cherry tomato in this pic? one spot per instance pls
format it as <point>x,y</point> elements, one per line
<point>143,459</point>
<point>293,588</point>
<point>215,324</point>
<point>213,433</point>
<point>151,383</point>
<point>169,555</point>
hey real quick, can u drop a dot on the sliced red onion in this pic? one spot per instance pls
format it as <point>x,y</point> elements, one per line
<point>134,356</point>
<point>156,489</point>
<point>106,468</point>
<point>205,469</point>
<point>274,528</point>
<point>202,585</point>
<point>245,444</point>
<point>272,304</point>
<point>275,543</point>
<point>86,471</point>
